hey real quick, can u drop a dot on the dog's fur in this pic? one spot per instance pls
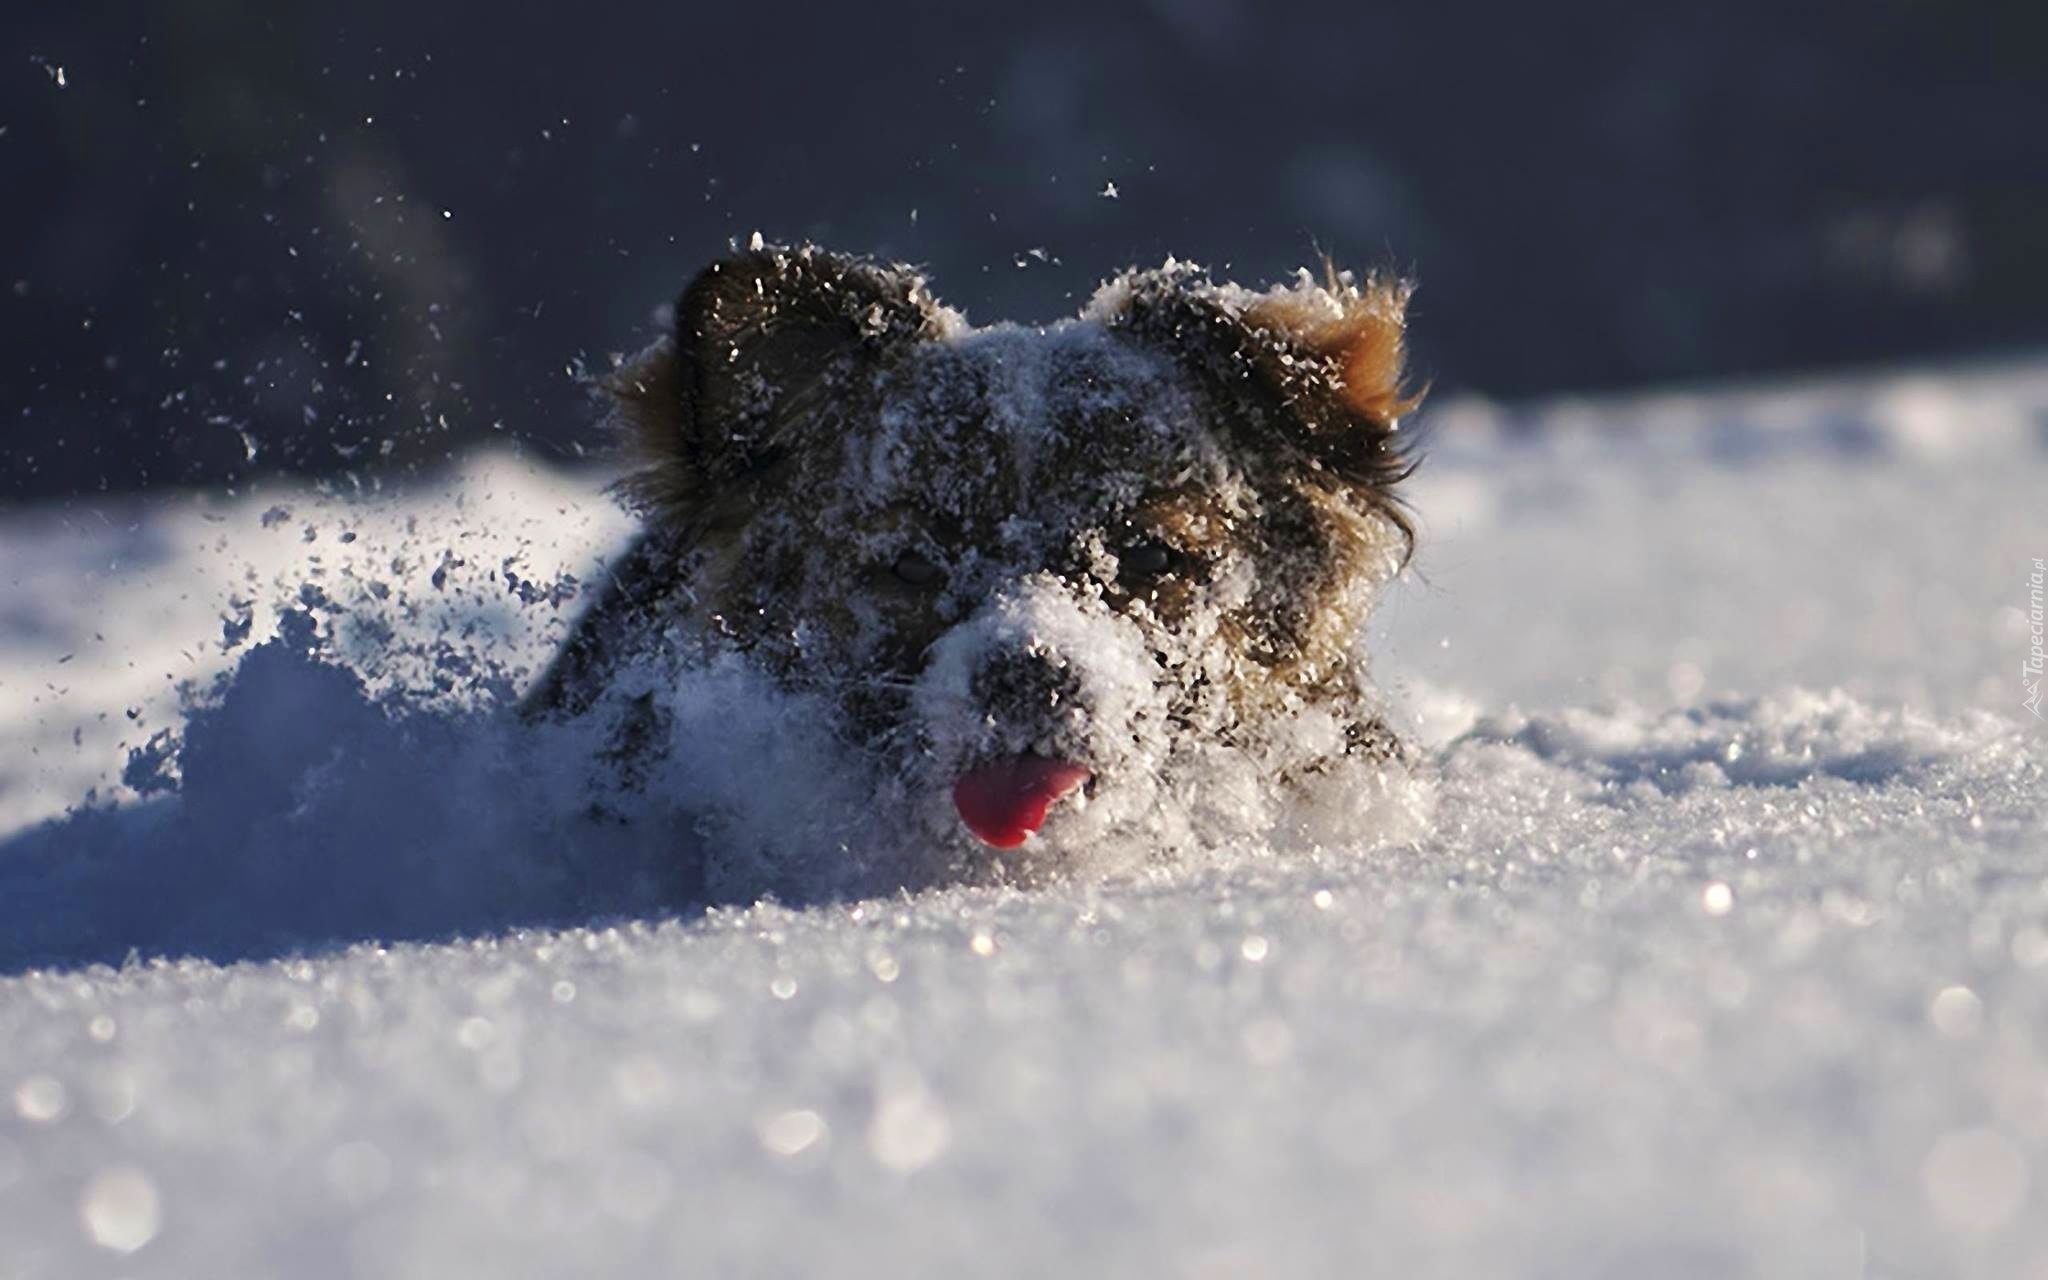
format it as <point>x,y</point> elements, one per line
<point>1144,540</point>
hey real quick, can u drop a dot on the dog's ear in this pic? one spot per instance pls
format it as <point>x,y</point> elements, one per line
<point>763,343</point>
<point>1309,374</point>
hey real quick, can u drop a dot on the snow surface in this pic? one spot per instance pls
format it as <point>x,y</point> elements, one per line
<point>1727,953</point>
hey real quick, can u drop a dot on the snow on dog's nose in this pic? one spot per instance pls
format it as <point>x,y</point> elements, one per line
<point>1036,694</point>
<point>1005,803</point>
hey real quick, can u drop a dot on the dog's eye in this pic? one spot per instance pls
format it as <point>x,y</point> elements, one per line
<point>1147,559</point>
<point>915,570</point>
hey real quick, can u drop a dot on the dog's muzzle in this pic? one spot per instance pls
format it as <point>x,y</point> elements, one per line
<point>1026,703</point>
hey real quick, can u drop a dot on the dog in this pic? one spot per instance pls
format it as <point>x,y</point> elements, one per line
<point>1098,585</point>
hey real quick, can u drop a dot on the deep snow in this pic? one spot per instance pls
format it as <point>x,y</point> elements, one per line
<point>1727,954</point>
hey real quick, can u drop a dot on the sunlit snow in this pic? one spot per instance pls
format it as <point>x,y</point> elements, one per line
<point>1725,951</point>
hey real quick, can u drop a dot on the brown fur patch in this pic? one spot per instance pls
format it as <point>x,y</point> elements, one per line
<point>1361,329</point>
<point>646,395</point>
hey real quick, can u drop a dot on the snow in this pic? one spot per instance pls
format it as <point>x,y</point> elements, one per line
<point>1723,954</point>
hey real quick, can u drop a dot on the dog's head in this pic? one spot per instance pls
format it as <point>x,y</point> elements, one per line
<point>1048,574</point>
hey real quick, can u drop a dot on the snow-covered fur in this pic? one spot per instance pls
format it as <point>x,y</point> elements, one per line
<point>1142,541</point>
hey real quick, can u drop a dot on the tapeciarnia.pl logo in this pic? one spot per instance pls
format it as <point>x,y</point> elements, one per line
<point>2030,671</point>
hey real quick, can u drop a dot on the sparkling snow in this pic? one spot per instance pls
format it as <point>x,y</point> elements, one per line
<point>1727,953</point>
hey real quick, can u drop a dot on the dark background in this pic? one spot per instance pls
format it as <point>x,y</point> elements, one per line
<point>244,237</point>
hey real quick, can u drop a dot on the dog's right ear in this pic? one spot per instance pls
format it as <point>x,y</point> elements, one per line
<point>763,341</point>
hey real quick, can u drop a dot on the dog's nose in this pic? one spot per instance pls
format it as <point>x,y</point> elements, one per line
<point>1013,683</point>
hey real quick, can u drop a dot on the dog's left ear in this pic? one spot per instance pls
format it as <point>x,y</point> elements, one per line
<point>1310,373</point>
<point>763,343</point>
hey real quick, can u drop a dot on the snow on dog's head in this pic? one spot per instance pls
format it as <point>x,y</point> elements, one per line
<point>1084,593</point>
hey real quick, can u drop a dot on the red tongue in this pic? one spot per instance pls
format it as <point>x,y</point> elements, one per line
<point>1005,802</point>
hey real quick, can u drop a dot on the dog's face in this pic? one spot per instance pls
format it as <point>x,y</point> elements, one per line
<point>1049,576</point>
